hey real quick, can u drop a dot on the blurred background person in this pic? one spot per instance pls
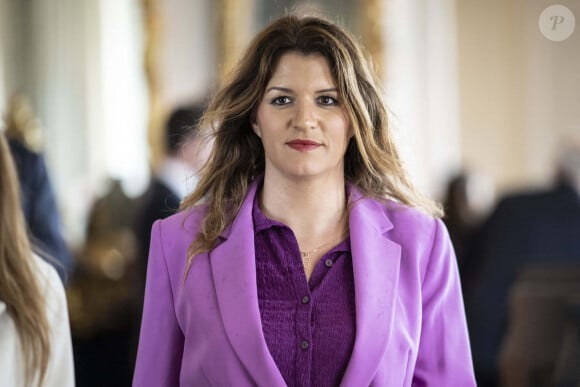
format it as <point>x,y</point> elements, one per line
<point>35,341</point>
<point>37,196</point>
<point>186,152</point>
<point>104,292</point>
<point>468,199</point>
<point>529,228</point>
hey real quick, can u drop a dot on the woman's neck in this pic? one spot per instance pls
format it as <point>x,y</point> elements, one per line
<point>312,208</point>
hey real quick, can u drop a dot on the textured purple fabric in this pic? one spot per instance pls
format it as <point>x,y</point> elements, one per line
<point>206,330</point>
<point>309,327</point>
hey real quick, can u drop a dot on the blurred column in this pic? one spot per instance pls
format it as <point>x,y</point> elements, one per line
<point>12,53</point>
<point>180,51</point>
<point>235,30</point>
<point>155,138</point>
<point>372,27</point>
<point>83,63</point>
<point>3,21</point>
<point>422,87</point>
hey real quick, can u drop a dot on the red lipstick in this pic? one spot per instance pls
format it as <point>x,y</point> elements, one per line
<point>303,145</point>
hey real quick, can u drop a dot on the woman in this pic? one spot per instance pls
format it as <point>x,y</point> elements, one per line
<point>299,259</point>
<point>35,341</point>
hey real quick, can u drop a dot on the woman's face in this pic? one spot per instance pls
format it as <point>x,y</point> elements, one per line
<point>301,120</point>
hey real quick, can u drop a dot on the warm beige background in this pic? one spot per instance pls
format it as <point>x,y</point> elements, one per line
<point>472,84</point>
<point>519,92</point>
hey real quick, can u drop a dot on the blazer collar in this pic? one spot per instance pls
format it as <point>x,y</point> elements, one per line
<point>376,261</point>
<point>376,274</point>
<point>234,271</point>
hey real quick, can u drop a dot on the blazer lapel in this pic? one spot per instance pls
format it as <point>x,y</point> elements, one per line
<point>376,261</point>
<point>234,273</point>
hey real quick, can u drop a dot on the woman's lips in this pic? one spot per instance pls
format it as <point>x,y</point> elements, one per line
<point>303,145</point>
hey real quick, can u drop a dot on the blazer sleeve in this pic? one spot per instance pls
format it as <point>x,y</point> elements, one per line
<point>444,357</point>
<point>161,339</point>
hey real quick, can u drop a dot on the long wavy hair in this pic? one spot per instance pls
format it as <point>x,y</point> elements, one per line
<point>19,286</point>
<point>372,162</point>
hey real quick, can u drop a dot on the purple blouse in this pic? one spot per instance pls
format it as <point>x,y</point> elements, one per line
<point>309,327</point>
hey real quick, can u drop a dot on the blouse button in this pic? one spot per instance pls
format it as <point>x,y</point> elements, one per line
<point>305,300</point>
<point>328,262</point>
<point>304,345</point>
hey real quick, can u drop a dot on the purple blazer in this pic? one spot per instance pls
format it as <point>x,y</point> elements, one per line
<point>206,331</point>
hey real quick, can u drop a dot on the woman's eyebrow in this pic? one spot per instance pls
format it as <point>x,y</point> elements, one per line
<point>278,88</point>
<point>287,90</point>
<point>331,90</point>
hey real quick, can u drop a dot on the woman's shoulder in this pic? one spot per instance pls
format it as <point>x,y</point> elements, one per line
<point>46,274</point>
<point>408,225</point>
<point>403,213</point>
<point>50,285</point>
<point>175,233</point>
<point>47,279</point>
<point>185,221</point>
<point>391,212</point>
<point>60,368</point>
<point>417,228</point>
<point>404,216</point>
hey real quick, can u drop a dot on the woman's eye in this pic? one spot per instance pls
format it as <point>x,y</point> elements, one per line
<point>281,100</point>
<point>326,100</point>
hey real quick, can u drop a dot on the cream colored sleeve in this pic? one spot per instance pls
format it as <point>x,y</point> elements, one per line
<point>60,370</point>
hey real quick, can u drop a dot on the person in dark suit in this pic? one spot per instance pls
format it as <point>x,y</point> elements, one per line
<point>468,199</point>
<point>186,151</point>
<point>40,208</point>
<point>176,176</point>
<point>527,228</point>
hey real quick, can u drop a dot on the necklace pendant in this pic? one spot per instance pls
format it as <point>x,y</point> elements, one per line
<point>305,258</point>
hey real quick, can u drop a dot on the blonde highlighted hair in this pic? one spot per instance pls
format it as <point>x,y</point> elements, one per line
<point>372,162</point>
<point>19,286</point>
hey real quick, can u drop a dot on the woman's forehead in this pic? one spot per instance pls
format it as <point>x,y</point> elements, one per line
<point>294,67</point>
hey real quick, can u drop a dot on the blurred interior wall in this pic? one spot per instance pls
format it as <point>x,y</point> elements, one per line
<point>80,62</point>
<point>470,83</point>
<point>4,43</point>
<point>81,101</point>
<point>38,40</point>
<point>187,50</point>
<point>519,91</point>
<point>12,42</point>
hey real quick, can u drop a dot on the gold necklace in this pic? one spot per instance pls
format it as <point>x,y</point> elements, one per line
<point>306,254</point>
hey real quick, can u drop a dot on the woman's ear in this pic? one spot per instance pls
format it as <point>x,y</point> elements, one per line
<point>254,122</point>
<point>256,128</point>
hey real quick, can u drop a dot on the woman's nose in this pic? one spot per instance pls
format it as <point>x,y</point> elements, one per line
<point>305,116</point>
